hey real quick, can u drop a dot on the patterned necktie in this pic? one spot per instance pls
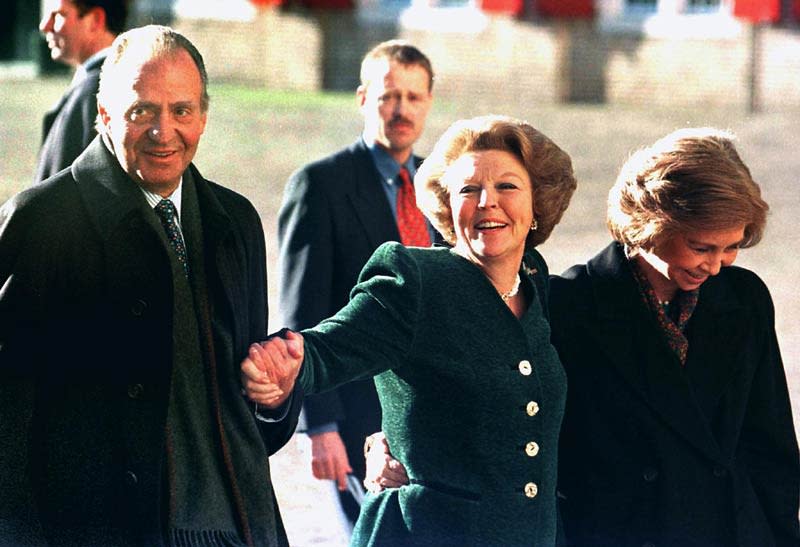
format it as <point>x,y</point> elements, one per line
<point>166,212</point>
<point>410,222</point>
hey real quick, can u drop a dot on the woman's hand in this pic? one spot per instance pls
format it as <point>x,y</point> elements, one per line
<point>270,369</point>
<point>383,471</point>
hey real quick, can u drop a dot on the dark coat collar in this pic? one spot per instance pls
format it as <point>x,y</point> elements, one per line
<point>609,269</point>
<point>634,345</point>
<point>112,197</point>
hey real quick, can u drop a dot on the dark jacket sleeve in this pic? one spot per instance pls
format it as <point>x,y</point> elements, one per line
<point>768,444</point>
<point>375,332</point>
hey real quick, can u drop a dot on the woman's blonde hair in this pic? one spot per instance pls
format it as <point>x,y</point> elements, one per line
<point>549,169</point>
<point>691,180</point>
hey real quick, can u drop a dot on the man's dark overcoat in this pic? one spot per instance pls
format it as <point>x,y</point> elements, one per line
<point>86,337</point>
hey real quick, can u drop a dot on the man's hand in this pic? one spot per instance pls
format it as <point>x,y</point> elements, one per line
<point>270,369</point>
<point>383,471</point>
<point>329,458</point>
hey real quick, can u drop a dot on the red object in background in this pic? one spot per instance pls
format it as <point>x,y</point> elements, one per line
<point>759,11</point>
<point>796,10</point>
<point>266,3</point>
<point>512,7</point>
<point>577,9</point>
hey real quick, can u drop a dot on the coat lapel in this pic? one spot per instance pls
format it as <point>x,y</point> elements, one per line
<point>227,260</point>
<point>111,197</point>
<point>718,327</point>
<point>634,346</point>
<point>116,205</point>
<point>369,200</point>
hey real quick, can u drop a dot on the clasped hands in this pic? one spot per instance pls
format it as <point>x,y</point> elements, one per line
<point>270,369</point>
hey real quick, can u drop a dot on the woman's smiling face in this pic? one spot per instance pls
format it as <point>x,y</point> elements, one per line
<point>491,198</point>
<point>685,261</point>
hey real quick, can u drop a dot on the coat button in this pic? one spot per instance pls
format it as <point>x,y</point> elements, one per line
<point>720,472</point>
<point>531,490</point>
<point>532,408</point>
<point>650,474</point>
<point>531,449</point>
<point>130,478</point>
<point>525,368</point>
<point>135,391</point>
<point>138,308</point>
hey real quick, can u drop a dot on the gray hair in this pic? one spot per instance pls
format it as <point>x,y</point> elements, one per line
<point>133,48</point>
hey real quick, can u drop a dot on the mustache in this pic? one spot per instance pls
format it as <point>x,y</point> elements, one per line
<point>400,119</point>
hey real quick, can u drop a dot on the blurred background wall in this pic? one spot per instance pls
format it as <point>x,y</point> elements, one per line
<point>741,53</point>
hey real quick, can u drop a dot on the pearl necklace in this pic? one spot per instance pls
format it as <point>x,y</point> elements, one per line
<point>508,295</point>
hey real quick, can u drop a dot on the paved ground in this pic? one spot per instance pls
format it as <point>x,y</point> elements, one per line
<point>253,142</point>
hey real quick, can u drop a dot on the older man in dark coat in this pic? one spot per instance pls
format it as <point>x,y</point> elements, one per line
<point>121,329</point>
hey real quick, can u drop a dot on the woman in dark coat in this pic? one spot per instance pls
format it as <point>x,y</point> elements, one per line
<point>458,341</point>
<point>678,429</point>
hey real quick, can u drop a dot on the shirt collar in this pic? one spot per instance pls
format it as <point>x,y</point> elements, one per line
<point>386,164</point>
<point>175,198</point>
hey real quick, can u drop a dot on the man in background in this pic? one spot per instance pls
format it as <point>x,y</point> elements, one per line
<point>78,33</point>
<point>335,213</point>
<point>132,288</point>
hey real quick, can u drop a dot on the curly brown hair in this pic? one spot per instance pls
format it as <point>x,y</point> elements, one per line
<point>549,169</point>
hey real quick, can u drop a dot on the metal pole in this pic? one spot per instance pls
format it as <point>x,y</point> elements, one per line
<point>754,69</point>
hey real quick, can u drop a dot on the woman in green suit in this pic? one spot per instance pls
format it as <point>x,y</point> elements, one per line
<point>459,344</point>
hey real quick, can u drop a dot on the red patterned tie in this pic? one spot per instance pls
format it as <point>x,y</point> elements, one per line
<point>410,222</point>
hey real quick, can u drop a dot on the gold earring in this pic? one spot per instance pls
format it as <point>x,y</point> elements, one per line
<point>534,225</point>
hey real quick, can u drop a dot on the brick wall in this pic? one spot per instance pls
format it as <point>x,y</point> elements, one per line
<point>275,50</point>
<point>508,60</point>
<point>663,71</point>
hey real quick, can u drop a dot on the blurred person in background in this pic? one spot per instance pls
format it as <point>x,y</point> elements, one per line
<point>336,212</point>
<point>458,341</point>
<point>78,33</point>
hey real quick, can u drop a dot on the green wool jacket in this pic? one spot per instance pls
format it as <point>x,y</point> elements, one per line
<point>472,398</point>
